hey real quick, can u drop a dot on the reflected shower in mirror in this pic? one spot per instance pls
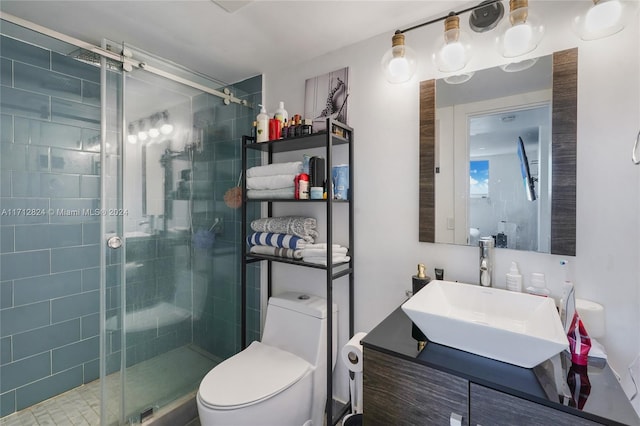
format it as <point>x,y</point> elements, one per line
<point>497,156</point>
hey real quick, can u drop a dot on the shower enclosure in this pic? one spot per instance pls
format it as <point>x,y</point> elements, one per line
<point>119,257</point>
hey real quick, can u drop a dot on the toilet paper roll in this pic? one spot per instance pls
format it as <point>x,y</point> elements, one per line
<point>592,315</point>
<point>352,353</point>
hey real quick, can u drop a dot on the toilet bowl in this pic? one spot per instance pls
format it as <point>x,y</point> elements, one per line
<point>280,380</point>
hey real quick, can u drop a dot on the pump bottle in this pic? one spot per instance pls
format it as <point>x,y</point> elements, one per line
<point>262,127</point>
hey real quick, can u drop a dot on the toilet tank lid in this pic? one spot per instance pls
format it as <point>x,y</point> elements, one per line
<point>307,304</point>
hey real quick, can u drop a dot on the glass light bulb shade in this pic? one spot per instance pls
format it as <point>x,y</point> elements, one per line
<point>601,20</point>
<point>399,64</point>
<point>132,138</point>
<point>520,34</point>
<point>452,51</point>
<point>142,136</point>
<point>166,128</point>
<point>154,132</point>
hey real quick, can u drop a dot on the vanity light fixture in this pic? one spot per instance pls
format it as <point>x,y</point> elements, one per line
<point>604,18</point>
<point>399,63</point>
<point>521,33</point>
<point>453,50</point>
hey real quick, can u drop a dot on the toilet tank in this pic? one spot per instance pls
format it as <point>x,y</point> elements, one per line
<point>297,323</point>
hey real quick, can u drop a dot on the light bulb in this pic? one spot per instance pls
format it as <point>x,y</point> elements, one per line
<point>603,14</point>
<point>166,128</point>
<point>131,137</point>
<point>453,51</point>
<point>142,135</point>
<point>399,63</point>
<point>521,33</point>
<point>604,18</point>
<point>154,132</point>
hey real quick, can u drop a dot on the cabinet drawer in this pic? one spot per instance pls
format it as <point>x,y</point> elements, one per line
<point>493,408</point>
<point>400,392</point>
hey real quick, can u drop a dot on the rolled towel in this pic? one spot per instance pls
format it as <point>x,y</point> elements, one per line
<point>303,227</point>
<point>276,251</point>
<point>276,240</point>
<point>311,252</point>
<point>282,193</point>
<point>271,182</point>
<point>291,168</point>
<point>323,260</point>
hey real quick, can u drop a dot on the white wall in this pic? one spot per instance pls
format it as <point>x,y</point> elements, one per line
<point>385,119</point>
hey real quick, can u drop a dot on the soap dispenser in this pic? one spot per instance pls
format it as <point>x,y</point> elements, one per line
<point>420,279</point>
<point>281,113</point>
<point>514,278</point>
<point>262,125</point>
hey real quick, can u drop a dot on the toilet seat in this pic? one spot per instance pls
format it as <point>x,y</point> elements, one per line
<point>254,374</point>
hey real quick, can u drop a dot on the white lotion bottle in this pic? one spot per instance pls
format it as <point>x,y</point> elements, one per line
<point>281,113</point>
<point>514,278</point>
<point>262,125</point>
<point>538,285</point>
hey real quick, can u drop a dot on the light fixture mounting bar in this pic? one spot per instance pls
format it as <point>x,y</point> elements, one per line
<point>442,18</point>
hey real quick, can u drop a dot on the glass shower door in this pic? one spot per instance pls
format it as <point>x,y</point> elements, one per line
<point>172,289</point>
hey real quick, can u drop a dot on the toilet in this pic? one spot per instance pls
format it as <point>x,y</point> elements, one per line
<point>281,380</point>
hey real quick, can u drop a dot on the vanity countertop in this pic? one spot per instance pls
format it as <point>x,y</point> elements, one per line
<point>545,384</point>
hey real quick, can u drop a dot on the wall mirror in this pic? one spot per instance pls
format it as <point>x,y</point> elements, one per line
<point>498,156</point>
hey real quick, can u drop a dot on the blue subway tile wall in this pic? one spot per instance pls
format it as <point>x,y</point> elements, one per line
<point>49,250</point>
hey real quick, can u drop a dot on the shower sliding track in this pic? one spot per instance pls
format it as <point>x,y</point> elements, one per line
<point>127,63</point>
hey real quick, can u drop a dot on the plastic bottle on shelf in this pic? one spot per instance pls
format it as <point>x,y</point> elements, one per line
<point>281,113</point>
<point>262,126</point>
<point>514,278</point>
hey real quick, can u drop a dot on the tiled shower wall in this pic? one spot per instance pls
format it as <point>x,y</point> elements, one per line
<point>49,275</point>
<point>218,329</point>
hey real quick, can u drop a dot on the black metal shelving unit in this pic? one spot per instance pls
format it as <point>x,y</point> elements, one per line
<point>337,134</point>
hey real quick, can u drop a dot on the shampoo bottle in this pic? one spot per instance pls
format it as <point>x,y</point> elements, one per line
<point>514,278</point>
<point>262,125</point>
<point>419,280</point>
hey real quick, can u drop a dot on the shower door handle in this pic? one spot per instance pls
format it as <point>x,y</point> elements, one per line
<point>114,242</point>
<point>634,156</point>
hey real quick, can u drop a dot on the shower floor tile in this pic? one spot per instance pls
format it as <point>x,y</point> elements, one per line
<point>183,368</point>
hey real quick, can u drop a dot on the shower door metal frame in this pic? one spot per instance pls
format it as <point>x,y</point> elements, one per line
<point>127,62</point>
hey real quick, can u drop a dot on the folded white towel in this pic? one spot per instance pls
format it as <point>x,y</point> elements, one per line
<point>323,260</point>
<point>276,251</point>
<point>322,246</point>
<point>281,193</point>
<point>271,182</point>
<point>311,252</point>
<point>292,168</point>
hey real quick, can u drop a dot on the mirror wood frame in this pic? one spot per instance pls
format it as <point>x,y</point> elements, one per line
<point>564,120</point>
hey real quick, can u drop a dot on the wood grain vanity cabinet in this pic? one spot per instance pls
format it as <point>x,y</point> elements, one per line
<point>400,392</point>
<point>492,408</point>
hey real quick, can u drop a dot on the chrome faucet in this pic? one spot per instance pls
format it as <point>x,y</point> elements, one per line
<point>486,261</point>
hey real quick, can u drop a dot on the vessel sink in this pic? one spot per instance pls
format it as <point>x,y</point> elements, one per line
<point>516,328</point>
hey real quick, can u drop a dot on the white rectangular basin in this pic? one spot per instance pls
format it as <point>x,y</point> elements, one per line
<point>516,328</point>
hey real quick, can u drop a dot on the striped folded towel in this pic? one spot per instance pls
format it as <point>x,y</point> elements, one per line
<point>276,240</point>
<point>276,251</point>
<point>303,227</point>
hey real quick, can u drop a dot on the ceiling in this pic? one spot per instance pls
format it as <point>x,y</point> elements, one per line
<point>230,40</point>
